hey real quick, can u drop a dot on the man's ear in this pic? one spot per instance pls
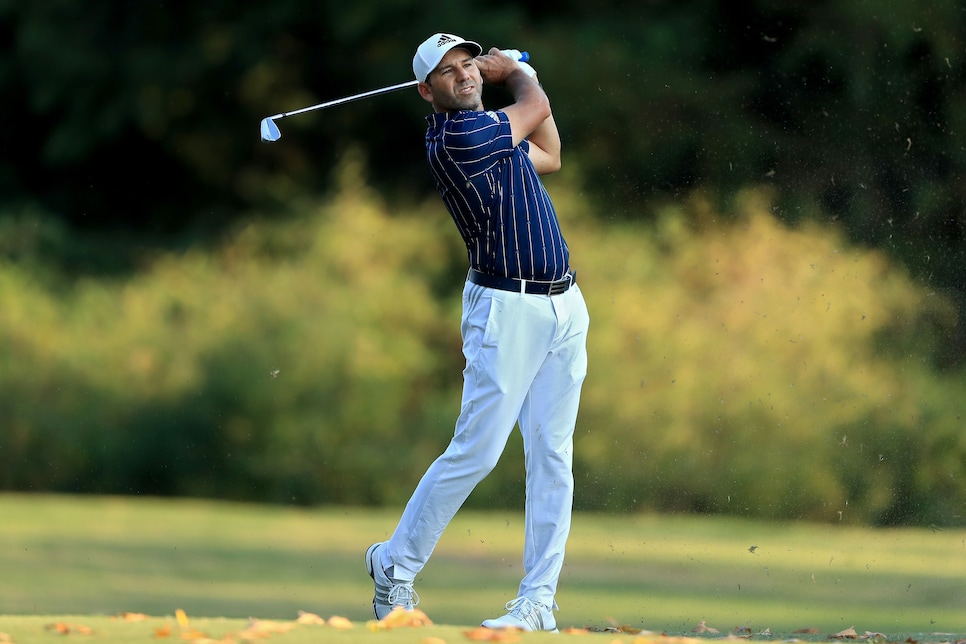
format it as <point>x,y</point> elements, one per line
<point>426,91</point>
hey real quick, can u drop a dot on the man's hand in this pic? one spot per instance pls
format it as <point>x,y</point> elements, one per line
<point>496,67</point>
<point>530,115</point>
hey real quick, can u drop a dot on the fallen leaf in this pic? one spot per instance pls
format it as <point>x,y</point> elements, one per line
<point>340,623</point>
<point>130,617</point>
<point>66,629</point>
<point>163,631</point>
<point>4,637</point>
<point>627,629</point>
<point>620,628</point>
<point>847,634</point>
<point>806,631</point>
<point>573,630</point>
<point>187,633</point>
<point>432,640</point>
<point>309,618</point>
<point>875,637</point>
<point>703,628</point>
<point>264,628</point>
<point>481,634</point>
<point>400,617</point>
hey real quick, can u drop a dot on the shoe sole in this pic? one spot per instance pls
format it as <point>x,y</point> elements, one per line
<point>370,568</point>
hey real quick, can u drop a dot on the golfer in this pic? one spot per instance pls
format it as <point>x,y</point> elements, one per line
<point>524,324</point>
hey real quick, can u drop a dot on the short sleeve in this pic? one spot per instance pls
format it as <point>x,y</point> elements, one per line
<point>478,140</point>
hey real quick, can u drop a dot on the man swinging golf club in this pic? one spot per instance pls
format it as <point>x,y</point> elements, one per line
<point>524,324</point>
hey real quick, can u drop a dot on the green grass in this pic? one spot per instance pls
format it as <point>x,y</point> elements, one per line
<point>83,559</point>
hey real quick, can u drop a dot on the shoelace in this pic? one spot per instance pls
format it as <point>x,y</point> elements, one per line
<point>403,595</point>
<point>526,611</point>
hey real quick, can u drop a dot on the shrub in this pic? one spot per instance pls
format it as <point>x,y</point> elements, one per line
<point>737,366</point>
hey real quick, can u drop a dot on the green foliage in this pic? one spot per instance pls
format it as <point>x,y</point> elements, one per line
<point>737,366</point>
<point>750,368</point>
<point>143,119</point>
<point>286,366</point>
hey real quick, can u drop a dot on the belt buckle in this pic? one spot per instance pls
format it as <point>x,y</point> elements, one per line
<point>561,285</point>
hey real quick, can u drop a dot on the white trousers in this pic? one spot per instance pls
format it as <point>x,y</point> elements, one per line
<point>526,361</point>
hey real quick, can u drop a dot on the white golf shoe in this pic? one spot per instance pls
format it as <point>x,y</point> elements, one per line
<point>525,615</point>
<point>390,593</point>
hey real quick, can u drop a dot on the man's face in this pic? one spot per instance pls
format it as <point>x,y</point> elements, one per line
<point>455,84</point>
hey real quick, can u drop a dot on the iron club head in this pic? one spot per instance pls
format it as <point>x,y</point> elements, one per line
<point>270,131</point>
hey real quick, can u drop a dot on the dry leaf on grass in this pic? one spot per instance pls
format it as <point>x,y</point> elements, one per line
<point>663,638</point>
<point>620,628</point>
<point>131,617</point>
<point>481,634</point>
<point>573,630</point>
<point>163,631</point>
<point>261,628</point>
<point>4,637</point>
<point>847,634</point>
<point>341,623</point>
<point>806,631</point>
<point>400,618</point>
<point>703,628</point>
<point>309,618</point>
<point>66,629</point>
<point>432,640</point>
<point>187,633</point>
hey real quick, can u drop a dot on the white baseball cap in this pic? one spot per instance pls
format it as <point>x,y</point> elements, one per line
<point>434,48</point>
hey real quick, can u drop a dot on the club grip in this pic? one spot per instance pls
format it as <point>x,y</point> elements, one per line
<point>517,55</point>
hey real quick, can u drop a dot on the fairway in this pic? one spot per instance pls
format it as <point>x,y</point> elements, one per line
<point>99,556</point>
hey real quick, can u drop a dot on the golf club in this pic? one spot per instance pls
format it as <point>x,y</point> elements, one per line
<point>270,131</point>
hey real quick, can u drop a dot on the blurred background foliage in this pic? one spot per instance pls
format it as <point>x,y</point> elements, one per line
<point>739,366</point>
<point>765,203</point>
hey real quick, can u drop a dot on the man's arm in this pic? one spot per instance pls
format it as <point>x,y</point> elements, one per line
<point>545,147</point>
<point>530,115</point>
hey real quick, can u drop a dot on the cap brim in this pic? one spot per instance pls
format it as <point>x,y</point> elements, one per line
<point>470,46</point>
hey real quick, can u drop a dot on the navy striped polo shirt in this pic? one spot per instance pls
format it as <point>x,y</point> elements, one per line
<point>495,196</point>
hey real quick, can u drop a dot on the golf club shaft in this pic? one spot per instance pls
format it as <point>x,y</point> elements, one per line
<point>270,131</point>
<point>339,101</point>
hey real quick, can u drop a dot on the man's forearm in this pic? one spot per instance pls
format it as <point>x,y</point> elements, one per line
<point>547,138</point>
<point>527,93</point>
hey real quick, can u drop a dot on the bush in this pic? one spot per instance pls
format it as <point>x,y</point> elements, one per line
<point>740,366</point>
<point>737,366</point>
